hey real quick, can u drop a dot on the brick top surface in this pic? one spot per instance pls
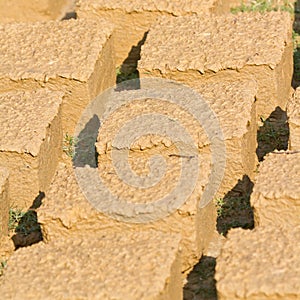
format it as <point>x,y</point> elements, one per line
<point>93,266</point>
<point>231,102</point>
<point>45,50</point>
<point>212,44</point>
<point>259,264</point>
<point>24,118</point>
<point>279,177</point>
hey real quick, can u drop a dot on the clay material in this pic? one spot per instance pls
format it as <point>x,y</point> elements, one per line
<point>133,19</point>
<point>259,265</point>
<point>31,141</point>
<point>73,56</point>
<point>31,10</point>
<point>65,209</point>
<point>101,265</point>
<point>293,112</point>
<point>232,104</point>
<point>276,193</point>
<point>193,49</point>
<point>4,202</point>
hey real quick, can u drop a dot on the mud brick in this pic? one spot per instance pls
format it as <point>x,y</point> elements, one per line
<point>65,210</point>
<point>74,56</point>
<point>194,49</point>
<point>95,266</point>
<point>30,141</point>
<point>276,193</point>
<point>133,19</point>
<point>259,264</point>
<point>234,105</point>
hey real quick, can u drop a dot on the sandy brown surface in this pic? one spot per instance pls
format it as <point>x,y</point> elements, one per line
<point>30,142</point>
<point>259,264</point>
<point>99,265</point>
<point>241,64</point>
<point>68,56</point>
<point>194,49</point>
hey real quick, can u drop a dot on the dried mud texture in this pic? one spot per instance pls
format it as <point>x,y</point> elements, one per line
<point>228,100</point>
<point>65,211</point>
<point>196,225</point>
<point>100,265</point>
<point>4,202</point>
<point>259,264</point>
<point>194,49</point>
<point>31,137</point>
<point>31,10</point>
<point>74,56</point>
<point>133,19</point>
<point>276,193</point>
<point>232,104</point>
<point>293,112</point>
<point>159,185</point>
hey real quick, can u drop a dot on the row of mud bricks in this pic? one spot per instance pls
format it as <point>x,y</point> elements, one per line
<point>56,57</point>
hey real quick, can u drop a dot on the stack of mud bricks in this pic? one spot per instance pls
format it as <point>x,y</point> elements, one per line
<point>65,212</point>
<point>60,67</point>
<point>172,51</point>
<point>50,71</point>
<point>263,263</point>
<point>45,84</point>
<point>71,56</point>
<point>195,225</point>
<point>133,19</point>
<point>73,61</point>
<point>20,193</point>
<point>219,48</point>
<point>227,48</point>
